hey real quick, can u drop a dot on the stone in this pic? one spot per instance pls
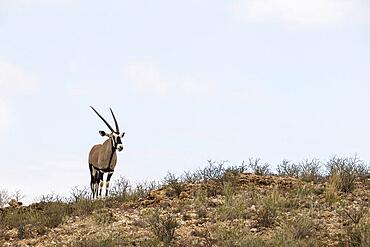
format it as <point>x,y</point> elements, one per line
<point>14,203</point>
<point>183,195</point>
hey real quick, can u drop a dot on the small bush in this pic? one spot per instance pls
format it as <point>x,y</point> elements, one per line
<point>103,216</point>
<point>357,235</point>
<point>346,170</point>
<point>331,190</point>
<point>258,168</point>
<point>110,240</point>
<point>288,169</point>
<point>190,177</point>
<point>268,208</point>
<point>200,203</point>
<point>238,168</point>
<point>79,194</point>
<point>286,238</point>
<point>143,189</point>
<point>214,171</point>
<point>121,189</point>
<point>37,219</point>
<point>310,170</point>
<point>356,214</point>
<point>18,196</point>
<point>233,207</point>
<point>235,235</point>
<point>4,198</point>
<point>174,184</point>
<point>50,198</point>
<point>163,226</point>
<point>53,215</point>
<point>302,227</point>
<point>85,207</point>
<point>266,215</point>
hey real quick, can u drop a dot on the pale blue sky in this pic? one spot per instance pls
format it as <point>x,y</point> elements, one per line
<point>188,81</point>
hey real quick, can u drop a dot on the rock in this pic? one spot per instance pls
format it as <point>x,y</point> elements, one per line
<point>214,202</point>
<point>189,216</point>
<point>166,203</point>
<point>254,230</point>
<point>14,203</point>
<point>183,195</point>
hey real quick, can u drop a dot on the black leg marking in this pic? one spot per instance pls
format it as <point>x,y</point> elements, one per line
<point>93,179</point>
<point>107,183</point>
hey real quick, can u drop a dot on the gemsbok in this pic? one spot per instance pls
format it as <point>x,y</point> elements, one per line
<point>103,157</point>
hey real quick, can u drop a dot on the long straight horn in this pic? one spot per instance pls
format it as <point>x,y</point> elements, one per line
<point>115,121</point>
<point>103,119</point>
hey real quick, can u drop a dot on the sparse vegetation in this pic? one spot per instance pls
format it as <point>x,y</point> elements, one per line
<point>357,235</point>
<point>213,172</point>
<point>110,240</point>
<point>234,206</point>
<point>4,198</point>
<point>310,170</point>
<point>268,208</point>
<point>103,216</point>
<point>307,170</point>
<point>124,191</point>
<point>218,205</point>
<point>36,220</point>
<point>288,169</point>
<point>175,185</point>
<point>302,227</point>
<point>163,226</point>
<point>344,172</point>
<point>235,235</point>
<point>258,168</point>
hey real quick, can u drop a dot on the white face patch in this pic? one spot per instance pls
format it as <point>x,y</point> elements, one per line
<point>117,141</point>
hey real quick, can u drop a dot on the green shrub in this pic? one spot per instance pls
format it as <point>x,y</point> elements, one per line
<point>258,168</point>
<point>103,216</point>
<point>235,235</point>
<point>267,208</point>
<point>110,240</point>
<point>310,170</point>
<point>200,203</point>
<point>4,198</point>
<point>357,235</point>
<point>287,239</point>
<point>356,214</point>
<point>288,169</point>
<point>233,207</point>
<point>347,170</point>
<point>163,226</point>
<point>175,185</point>
<point>302,227</point>
<point>85,207</point>
<point>213,172</point>
<point>39,220</point>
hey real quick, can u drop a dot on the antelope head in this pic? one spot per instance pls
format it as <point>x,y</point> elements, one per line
<point>114,135</point>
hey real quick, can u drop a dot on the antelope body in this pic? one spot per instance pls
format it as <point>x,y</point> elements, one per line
<point>103,157</point>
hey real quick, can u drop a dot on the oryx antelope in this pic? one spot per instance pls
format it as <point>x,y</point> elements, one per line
<point>103,157</point>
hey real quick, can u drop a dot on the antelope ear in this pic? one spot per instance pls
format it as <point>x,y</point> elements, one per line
<point>102,133</point>
<point>123,134</point>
